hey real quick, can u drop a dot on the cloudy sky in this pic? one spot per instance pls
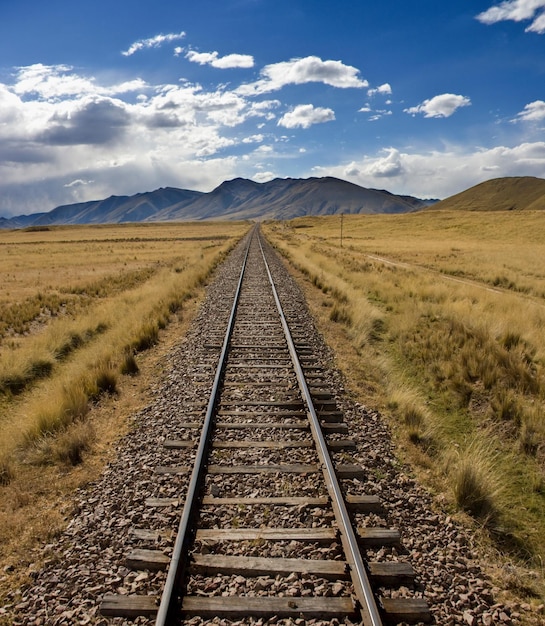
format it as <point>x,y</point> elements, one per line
<point>418,97</point>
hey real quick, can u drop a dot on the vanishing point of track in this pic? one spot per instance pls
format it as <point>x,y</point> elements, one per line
<point>269,402</point>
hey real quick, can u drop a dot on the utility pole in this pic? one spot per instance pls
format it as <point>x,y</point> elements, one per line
<point>342,217</point>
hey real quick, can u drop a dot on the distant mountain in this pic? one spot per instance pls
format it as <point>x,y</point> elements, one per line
<point>499,194</point>
<point>237,199</point>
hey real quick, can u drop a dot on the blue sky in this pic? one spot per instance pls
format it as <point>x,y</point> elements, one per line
<point>425,98</point>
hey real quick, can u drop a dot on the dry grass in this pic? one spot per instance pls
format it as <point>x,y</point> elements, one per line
<point>73,356</point>
<point>455,363</point>
<point>78,372</point>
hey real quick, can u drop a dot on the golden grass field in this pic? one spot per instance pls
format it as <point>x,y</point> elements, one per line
<point>438,319</point>
<point>80,308</point>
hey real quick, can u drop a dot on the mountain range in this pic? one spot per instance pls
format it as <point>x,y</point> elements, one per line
<point>282,198</point>
<point>236,199</point>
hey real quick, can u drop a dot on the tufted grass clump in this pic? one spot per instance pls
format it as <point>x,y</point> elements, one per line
<point>146,337</point>
<point>69,403</point>
<point>101,379</point>
<point>414,417</point>
<point>129,365</point>
<point>341,315</point>
<point>7,471</point>
<point>69,448</point>
<point>475,481</point>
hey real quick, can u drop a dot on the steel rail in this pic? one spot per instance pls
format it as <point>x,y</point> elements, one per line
<point>176,566</point>
<point>364,594</point>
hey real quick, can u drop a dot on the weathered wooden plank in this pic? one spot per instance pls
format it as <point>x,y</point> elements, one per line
<point>147,559</point>
<point>377,536</point>
<point>175,470</point>
<point>209,564</point>
<point>391,573</point>
<point>129,606</point>
<point>342,444</point>
<point>253,414</point>
<point>299,425</point>
<point>364,504</point>
<point>350,471</point>
<point>319,535</point>
<point>145,534</point>
<point>274,501</point>
<point>160,502</point>
<point>318,393</point>
<point>282,404</point>
<point>334,427</point>
<point>234,607</point>
<point>330,416</point>
<point>271,445</point>
<point>249,346</point>
<point>263,469</point>
<point>263,367</point>
<point>411,610</point>
<point>174,444</point>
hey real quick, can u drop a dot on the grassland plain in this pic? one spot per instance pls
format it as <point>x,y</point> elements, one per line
<point>80,309</point>
<point>437,319</point>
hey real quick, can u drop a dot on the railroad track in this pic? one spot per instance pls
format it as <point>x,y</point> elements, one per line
<point>270,523</point>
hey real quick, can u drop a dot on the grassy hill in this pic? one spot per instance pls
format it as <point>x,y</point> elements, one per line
<point>499,194</point>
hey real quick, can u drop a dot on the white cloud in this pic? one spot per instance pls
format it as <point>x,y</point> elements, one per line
<point>46,108</point>
<point>263,177</point>
<point>152,42</point>
<point>443,105</point>
<point>79,183</point>
<point>533,112</point>
<point>253,139</point>
<point>387,166</point>
<point>382,89</point>
<point>305,115</point>
<point>517,11</point>
<point>439,174</point>
<point>226,62</point>
<point>306,70</point>
<point>379,114</point>
<point>52,82</point>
